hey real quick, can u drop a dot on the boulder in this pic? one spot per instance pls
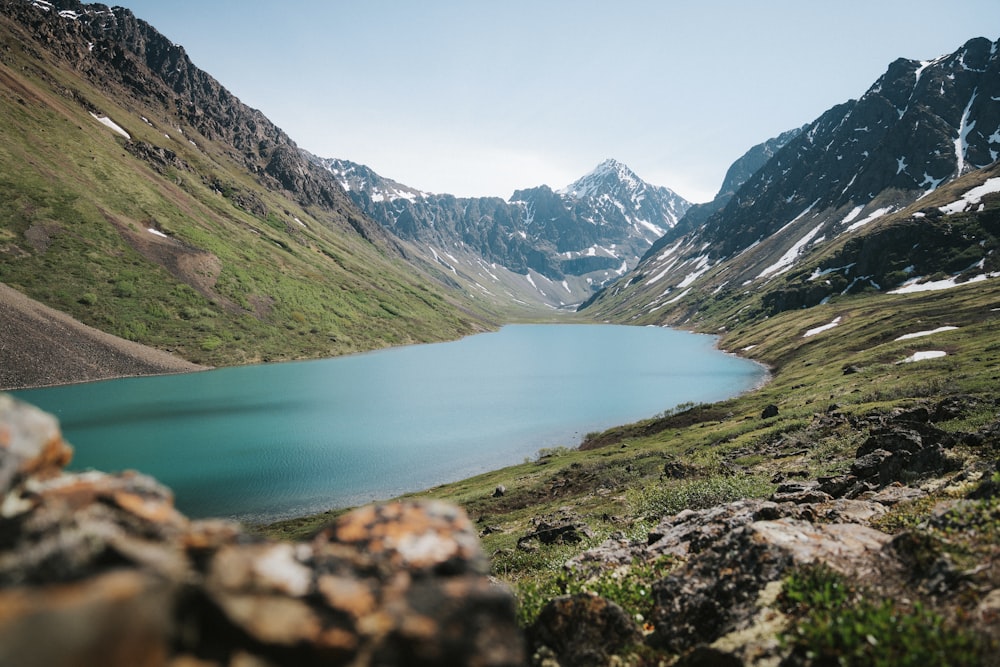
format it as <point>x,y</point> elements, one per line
<point>582,630</point>
<point>731,553</point>
<point>565,528</point>
<point>30,443</point>
<point>717,592</point>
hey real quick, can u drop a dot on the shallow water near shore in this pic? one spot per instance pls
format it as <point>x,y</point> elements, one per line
<point>259,443</point>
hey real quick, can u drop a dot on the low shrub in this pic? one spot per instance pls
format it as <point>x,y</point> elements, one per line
<point>838,624</point>
<point>673,496</point>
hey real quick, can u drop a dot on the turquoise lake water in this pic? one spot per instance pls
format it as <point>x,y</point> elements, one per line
<point>260,443</point>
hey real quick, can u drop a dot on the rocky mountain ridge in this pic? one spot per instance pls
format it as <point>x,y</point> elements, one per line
<point>921,126</point>
<point>113,48</point>
<point>572,240</point>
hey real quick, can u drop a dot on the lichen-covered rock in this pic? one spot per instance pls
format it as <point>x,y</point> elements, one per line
<point>562,528</point>
<point>100,569</point>
<point>30,443</point>
<point>716,593</point>
<point>731,554</point>
<point>582,630</point>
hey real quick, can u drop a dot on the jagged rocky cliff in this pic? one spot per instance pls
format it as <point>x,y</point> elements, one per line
<point>145,200</point>
<point>139,67</point>
<point>577,238</point>
<point>921,126</point>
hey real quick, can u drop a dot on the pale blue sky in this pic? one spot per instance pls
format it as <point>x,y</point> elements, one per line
<point>481,98</point>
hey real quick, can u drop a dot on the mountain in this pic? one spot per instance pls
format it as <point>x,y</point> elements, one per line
<point>144,199</point>
<point>566,242</point>
<point>855,200</point>
<point>738,173</point>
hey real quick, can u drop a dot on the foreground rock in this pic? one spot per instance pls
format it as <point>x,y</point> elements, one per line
<point>718,593</point>
<point>100,569</point>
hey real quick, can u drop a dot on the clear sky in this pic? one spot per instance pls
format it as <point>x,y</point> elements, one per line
<point>475,97</point>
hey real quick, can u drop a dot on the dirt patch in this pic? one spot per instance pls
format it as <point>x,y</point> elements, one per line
<point>39,235</point>
<point>262,305</point>
<point>193,266</point>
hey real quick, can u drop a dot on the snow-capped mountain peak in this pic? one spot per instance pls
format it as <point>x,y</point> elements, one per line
<point>609,177</point>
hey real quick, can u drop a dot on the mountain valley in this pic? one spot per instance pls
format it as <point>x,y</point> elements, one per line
<point>845,512</point>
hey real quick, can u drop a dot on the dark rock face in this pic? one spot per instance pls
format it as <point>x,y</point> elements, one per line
<point>100,569</point>
<point>919,127</point>
<point>739,172</point>
<point>861,148</point>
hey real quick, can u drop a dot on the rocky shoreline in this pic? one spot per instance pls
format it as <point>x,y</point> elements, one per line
<point>40,346</point>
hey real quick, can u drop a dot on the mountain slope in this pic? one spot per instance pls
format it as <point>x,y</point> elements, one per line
<point>143,199</point>
<point>565,242</point>
<point>919,127</point>
<point>739,172</point>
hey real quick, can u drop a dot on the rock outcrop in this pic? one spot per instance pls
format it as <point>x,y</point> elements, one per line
<point>99,569</point>
<point>716,597</point>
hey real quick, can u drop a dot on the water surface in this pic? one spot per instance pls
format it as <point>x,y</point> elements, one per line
<point>271,441</point>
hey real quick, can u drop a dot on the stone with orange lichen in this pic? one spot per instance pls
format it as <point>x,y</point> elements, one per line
<point>31,443</point>
<point>339,639</point>
<point>350,595</point>
<point>155,510</point>
<point>265,568</point>
<point>208,535</point>
<point>271,619</point>
<point>119,619</point>
<point>420,537</point>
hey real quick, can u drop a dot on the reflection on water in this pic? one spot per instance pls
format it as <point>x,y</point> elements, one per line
<point>264,442</point>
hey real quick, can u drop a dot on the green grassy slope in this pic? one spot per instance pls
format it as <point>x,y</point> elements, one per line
<point>235,273</point>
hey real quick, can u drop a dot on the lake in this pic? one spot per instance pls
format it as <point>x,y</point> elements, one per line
<point>259,443</point>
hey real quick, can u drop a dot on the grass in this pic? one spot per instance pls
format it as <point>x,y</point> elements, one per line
<point>670,498</point>
<point>835,623</point>
<point>248,274</point>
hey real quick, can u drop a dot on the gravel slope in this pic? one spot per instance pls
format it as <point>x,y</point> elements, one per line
<point>40,346</point>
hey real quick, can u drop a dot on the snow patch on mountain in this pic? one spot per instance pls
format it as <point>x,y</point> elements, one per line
<point>107,122</point>
<point>962,141</point>
<point>923,356</point>
<point>972,198</point>
<point>593,184</point>
<point>871,217</point>
<point>930,332</point>
<point>820,329</point>
<point>702,264</point>
<point>787,261</point>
